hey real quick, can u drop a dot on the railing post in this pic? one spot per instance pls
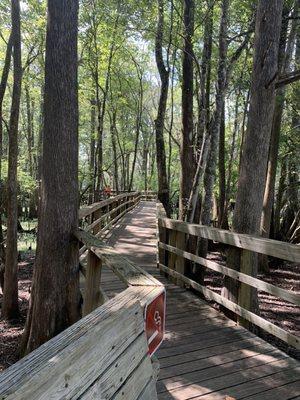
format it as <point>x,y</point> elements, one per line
<point>96,215</point>
<point>246,293</point>
<point>92,293</point>
<point>180,261</point>
<point>171,256</point>
<point>162,236</point>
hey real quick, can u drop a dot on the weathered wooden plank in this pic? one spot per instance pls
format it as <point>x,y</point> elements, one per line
<point>289,391</point>
<point>258,389</point>
<point>117,373</point>
<point>149,393</point>
<point>218,349</point>
<point>239,276</point>
<point>226,384</point>
<point>275,248</point>
<point>69,363</point>
<point>130,273</point>
<point>136,382</point>
<point>255,319</point>
<point>215,371</point>
<point>220,359</point>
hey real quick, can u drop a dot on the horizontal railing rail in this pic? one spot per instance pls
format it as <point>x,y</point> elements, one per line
<point>149,195</point>
<point>172,240</point>
<point>99,218</point>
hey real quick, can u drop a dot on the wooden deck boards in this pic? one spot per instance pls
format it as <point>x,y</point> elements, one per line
<point>205,356</point>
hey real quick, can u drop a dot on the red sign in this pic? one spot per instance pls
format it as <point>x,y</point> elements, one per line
<point>155,322</point>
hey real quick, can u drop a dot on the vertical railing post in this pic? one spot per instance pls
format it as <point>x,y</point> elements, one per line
<point>180,261</point>
<point>172,256</point>
<point>92,293</point>
<point>246,294</point>
<point>96,215</point>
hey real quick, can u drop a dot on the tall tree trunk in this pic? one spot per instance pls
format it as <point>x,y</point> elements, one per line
<point>279,198</point>
<point>102,108</point>
<point>209,178</point>
<point>10,308</point>
<point>138,123</point>
<point>55,295</point>
<point>163,187</point>
<point>187,154</point>
<point>92,152</point>
<point>204,97</point>
<point>222,210</point>
<point>284,58</point>
<point>224,223</point>
<point>3,85</point>
<point>251,184</point>
<point>113,123</point>
<point>203,134</point>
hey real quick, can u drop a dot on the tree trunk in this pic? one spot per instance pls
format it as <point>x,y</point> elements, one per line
<point>251,184</point>
<point>163,187</point>
<point>187,154</point>
<point>92,152</point>
<point>210,171</point>
<point>279,198</point>
<point>114,149</point>
<point>138,123</point>
<point>55,301</point>
<point>222,209</point>
<point>10,308</point>
<point>204,97</point>
<point>203,134</point>
<point>3,85</point>
<point>284,59</point>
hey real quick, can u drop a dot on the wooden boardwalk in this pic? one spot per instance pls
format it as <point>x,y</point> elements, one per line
<point>205,355</point>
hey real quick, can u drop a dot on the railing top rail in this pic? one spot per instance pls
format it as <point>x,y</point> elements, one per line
<point>87,210</point>
<point>270,247</point>
<point>128,272</point>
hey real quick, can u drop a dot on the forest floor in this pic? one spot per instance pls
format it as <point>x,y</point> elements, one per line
<point>280,312</point>
<point>11,332</point>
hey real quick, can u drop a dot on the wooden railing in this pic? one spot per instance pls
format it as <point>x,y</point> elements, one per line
<point>100,217</point>
<point>105,355</point>
<point>149,195</point>
<point>172,253</point>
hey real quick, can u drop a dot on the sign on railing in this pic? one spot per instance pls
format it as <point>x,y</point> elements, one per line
<point>155,315</point>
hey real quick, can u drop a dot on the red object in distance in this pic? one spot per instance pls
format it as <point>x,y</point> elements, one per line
<point>155,313</point>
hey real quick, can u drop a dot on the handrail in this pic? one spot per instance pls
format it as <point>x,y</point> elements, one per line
<point>88,210</point>
<point>270,247</point>
<point>172,239</point>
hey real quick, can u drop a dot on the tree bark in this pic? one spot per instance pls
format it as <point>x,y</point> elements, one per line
<point>114,149</point>
<point>55,301</point>
<point>187,154</point>
<point>284,58</point>
<point>92,152</point>
<point>222,208</point>
<point>163,187</point>
<point>10,308</point>
<point>251,184</point>
<point>203,134</point>
<point>3,85</point>
<point>210,171</point>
